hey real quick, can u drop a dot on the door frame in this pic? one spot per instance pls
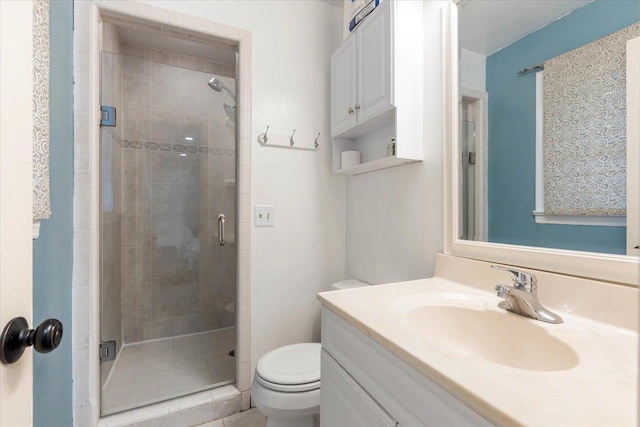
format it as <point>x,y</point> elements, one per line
<point>88,18</point>
<point>633,146</point>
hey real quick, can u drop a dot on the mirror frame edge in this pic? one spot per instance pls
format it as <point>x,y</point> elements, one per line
<point>619,269</point>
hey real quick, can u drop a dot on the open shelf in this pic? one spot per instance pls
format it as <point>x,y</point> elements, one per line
<point>383,163</point>
<point>372,146</point>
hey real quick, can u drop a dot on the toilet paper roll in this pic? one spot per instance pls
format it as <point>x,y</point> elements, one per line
<point>350,159</point>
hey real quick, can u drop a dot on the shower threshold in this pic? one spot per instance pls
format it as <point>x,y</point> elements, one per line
<point>153,371</point>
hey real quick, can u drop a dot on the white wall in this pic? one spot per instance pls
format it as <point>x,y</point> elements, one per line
<point>346,17</point>
<point>395,216</point>
<point>304,253</point>
<point>473,70</point>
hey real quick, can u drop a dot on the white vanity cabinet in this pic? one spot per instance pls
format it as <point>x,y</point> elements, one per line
<point>364,384</point>
<point>347,403</point>
<point>361,74</point>
<point>375,76</point>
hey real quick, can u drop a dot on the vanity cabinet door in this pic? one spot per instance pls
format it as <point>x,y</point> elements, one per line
<point>344,403</point>
<point>374,64</point>
<point>343,87</point>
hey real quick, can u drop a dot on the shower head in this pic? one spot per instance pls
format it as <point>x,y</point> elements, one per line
<point>218,86</point>
<point>215,84</point>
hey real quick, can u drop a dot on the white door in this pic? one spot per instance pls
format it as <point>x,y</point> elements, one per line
<point>633,146</point>
<point>374,64</point>
<point>15,200</point>
<point>343,87</point>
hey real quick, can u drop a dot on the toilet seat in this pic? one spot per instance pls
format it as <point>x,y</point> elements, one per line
<point>292,368</point>
<point>288,388</point>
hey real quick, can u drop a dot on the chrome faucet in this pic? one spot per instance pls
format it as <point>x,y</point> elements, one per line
<point>522,297</point>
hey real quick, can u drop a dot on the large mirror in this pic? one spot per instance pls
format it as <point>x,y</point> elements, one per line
<point>543,123</point>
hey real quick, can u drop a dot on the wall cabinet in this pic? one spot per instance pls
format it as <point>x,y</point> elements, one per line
<point>375,76</point>
<point>374,66</point>
<point>361,74</point>
<point>359,375</point>
<point>344,80</point>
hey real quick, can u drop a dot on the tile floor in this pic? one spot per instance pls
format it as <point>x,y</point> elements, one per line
<point>154,371</point>
<point>250,418</point>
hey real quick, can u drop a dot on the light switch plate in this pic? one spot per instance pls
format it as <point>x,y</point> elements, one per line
<point>264,216</point>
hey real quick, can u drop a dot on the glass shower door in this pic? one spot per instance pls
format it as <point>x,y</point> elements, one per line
<point>167,285</point>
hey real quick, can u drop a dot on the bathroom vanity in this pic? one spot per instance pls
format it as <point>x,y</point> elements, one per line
<point>441,352</point>
<point>363,383</point>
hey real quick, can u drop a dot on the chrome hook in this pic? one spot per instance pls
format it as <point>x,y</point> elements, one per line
<point>262,138</point>
<point>315,143</point>
<point>291,142</point>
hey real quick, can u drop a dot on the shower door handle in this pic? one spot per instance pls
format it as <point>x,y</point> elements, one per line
<point>221,230</point>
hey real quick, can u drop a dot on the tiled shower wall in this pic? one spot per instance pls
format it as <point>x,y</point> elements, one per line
<point>178,175</point>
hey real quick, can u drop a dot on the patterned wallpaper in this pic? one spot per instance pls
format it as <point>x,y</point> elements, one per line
<point>41,204</point>
<point>585,128</point>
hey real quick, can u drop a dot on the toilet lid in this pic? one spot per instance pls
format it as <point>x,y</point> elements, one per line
<point>291,365</point>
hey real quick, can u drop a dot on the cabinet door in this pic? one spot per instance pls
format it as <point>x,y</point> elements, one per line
<point>343,87</point>
<point>374,64</point>
<point>343,403</point>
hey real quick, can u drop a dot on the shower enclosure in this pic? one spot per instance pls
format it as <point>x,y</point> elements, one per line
<point>168,221</point>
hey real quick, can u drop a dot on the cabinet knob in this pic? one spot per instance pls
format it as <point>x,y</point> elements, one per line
<point>357,106</point>
<point>350,110</point>
<point>17,336</point>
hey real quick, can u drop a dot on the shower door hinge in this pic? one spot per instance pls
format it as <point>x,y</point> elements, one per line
<point>107,351</point>
<point>107,116</point>
<point>472,158</point>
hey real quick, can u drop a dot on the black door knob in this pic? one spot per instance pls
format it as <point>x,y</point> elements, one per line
<point>47,336</point>
<point>17,336</point>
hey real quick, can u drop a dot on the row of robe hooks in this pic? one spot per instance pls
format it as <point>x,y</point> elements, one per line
<point>266,141</point>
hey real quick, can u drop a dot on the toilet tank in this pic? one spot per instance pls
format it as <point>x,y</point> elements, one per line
<point>348,284</point>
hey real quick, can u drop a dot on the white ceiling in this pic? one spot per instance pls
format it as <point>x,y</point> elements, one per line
<point>157,40</point>
<point>487,26</point>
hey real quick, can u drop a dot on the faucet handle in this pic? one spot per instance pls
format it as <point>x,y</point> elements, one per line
<point>521,279</point>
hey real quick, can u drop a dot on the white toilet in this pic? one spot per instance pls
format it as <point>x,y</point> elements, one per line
<point>286,384</point>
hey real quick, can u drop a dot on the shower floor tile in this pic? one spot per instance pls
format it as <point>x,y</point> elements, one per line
<point>153,371</point>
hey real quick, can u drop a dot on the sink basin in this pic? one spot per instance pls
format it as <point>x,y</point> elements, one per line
<point>497,337</point>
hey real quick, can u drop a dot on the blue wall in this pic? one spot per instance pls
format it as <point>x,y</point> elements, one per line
<point>511,168</point>
<point>53,250</point>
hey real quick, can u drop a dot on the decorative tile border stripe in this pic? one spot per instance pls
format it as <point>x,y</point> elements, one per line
<point>177,148</point>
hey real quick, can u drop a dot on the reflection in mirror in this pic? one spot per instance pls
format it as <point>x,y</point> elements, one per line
<point>543,123</point>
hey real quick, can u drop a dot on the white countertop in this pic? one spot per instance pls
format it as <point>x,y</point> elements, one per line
<point>599,389</point>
